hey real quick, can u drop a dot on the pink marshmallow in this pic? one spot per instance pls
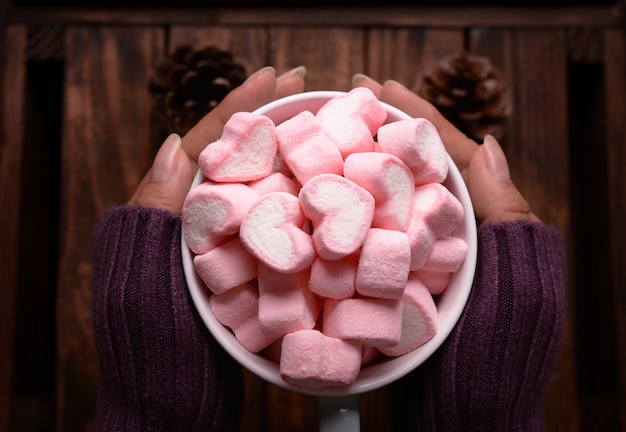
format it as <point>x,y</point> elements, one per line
<point>280,165</point>
<point>351,120</point>
<point>417,142</point>
<point>238,310</point>
<point>384,264</point>
<point>419,319</point>
<point>285,302</point>
<point>272,232</point>
<point>305,148</point>
<point>334,279</point>
<point>389,181</point>
<point>226,266</point>
<point>438,207</point>
<point>275,182</point>
<point>313,360</point>
<point>341,213</point>
<point>421,241</point>
<point>369,355</point>
<point>435,281</point>
<point>213,211</point>
<point>447,256</point>
<point>245,151</point>
<point>371,321</point>
<point>436,212</point>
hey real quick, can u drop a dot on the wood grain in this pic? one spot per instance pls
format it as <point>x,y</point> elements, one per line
<point>248,44</point>
<point>331,55</point>
<point>415,50</point>
<point>107,146</point>
<point>11,148</point>
<point>615,90</point>
<point>106,150</point>
<point>403,16</point>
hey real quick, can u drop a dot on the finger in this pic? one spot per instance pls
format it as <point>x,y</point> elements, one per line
<point>168,181</point>
<point>459,146</point>
<point>360,80</point>
<point>291,82</point>
<point>494,196</point>
<point>259,89</point>
<point>256,91</point>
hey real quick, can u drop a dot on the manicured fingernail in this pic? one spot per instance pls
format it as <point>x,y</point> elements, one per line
<point>164,163</point>
<point>262,71</point>
<point>496,159</point>
<point>394,82</point>
<point>359,77</point>
<point>300,70</point>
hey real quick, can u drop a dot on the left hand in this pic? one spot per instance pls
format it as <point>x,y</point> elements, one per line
<point>166,184</point>
<point>484,167</point>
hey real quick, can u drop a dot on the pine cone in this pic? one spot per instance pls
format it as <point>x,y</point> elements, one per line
<point>189,83</point>
<point>470,93</point>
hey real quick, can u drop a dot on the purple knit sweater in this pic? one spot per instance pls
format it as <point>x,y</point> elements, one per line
<point>162,370</point>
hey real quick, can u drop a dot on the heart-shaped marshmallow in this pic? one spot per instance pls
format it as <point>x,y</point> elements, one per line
<point>272,232</point>
<point>341,213</point>
<point>351,120</point>
<point>245,151</point>
<point>389,181</point>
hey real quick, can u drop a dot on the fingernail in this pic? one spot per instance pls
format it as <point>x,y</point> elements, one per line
<point>394,82</point>
<point>496,159</point>
<point>164,163</point>
<point>262,71</point>
<point>300,70</point>
<point>360,77</point>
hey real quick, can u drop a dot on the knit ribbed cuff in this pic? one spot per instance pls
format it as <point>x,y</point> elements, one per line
<point>160,368</point>
<point>491,372</point>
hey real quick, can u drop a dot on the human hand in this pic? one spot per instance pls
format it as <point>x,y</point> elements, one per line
<point>484,167</point>
<point>167,182</point>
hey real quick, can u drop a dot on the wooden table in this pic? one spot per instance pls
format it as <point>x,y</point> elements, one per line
<point>77,137</point>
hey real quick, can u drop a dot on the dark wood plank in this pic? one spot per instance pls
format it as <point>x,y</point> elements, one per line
<point>615,74</point>
<point>290,411</point>
<point>414,51</point>
<point>534,66</point>
<point>418,16</point>
<point>249,44</point>
<point>374,410</point>
<point>331,55</point>
<point>106,150</point>
<point>254,406</point>
<point>11,148</point>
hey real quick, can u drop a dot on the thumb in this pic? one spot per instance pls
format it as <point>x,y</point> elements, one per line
<point>494,196</point>
<point>168,181</point>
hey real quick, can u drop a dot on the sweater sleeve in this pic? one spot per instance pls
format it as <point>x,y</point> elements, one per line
<point>492,371</point>
<point>160,368</point>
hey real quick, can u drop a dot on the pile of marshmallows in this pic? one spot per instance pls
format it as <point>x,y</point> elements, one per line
<point>325,239</point>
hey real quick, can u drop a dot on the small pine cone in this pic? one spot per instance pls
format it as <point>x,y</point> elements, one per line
<point>189,83</point>
<point>470,93</point>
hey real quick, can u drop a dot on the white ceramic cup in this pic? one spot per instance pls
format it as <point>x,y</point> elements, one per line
<point>450,303</point>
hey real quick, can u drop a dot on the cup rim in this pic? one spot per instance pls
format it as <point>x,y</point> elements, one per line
<point>381,372</point>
